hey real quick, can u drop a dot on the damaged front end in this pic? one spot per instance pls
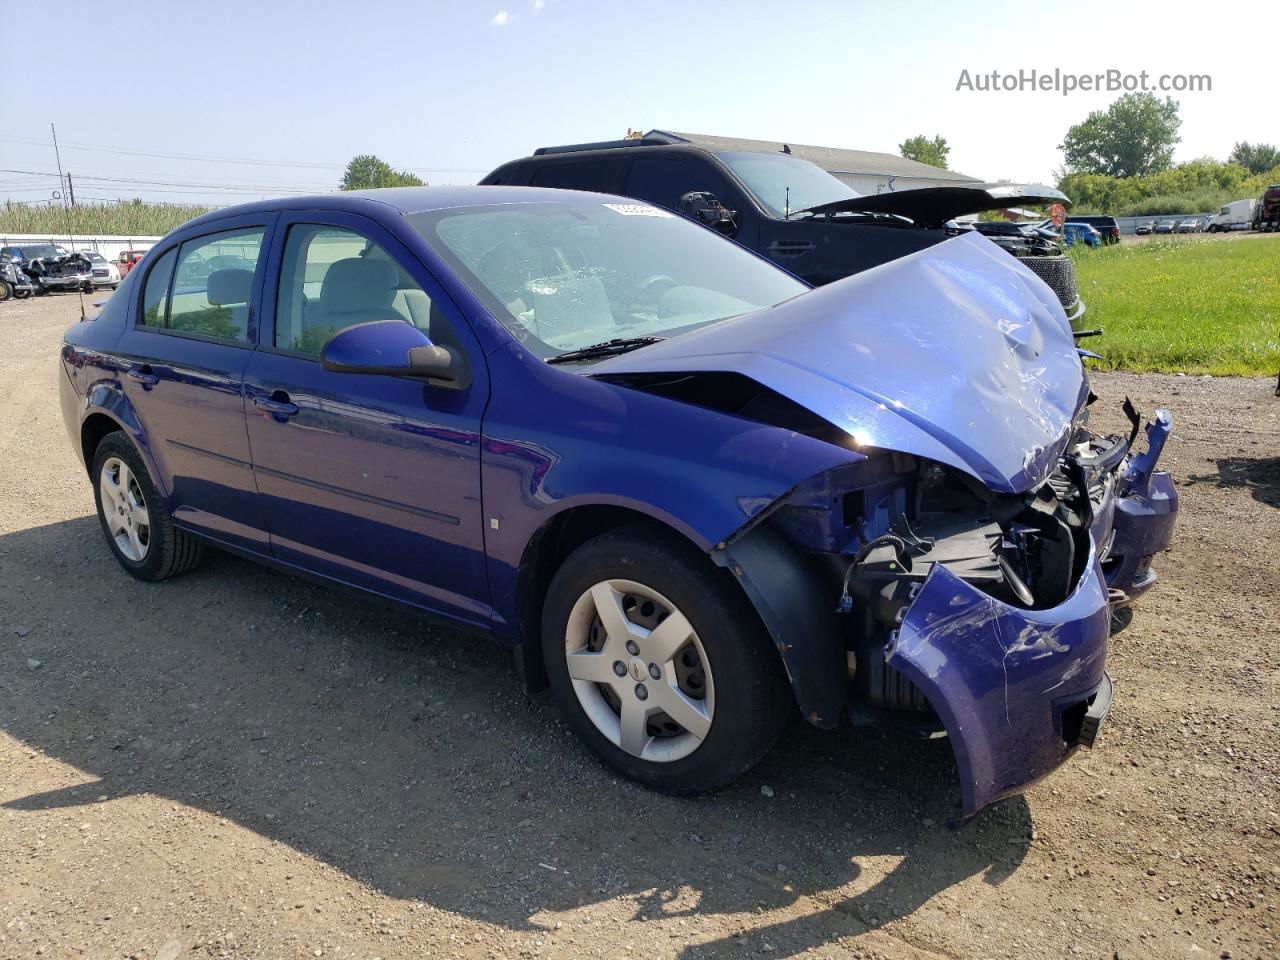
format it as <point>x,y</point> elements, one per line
<point>958,571</point>
<point>952,606</point>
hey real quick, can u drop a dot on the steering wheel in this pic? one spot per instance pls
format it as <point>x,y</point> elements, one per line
<point>651,288</point>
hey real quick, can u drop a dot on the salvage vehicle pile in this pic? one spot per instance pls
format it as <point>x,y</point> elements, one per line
<point>712,495</point>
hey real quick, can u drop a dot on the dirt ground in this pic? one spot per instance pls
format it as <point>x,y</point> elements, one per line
<point>240,764</point>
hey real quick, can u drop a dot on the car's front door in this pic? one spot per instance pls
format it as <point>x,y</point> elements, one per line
<point>373,480</point>
<point>184,354</point>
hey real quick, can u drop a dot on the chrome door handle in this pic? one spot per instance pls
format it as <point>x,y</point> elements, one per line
<point>142,375</point>
<point>276,407</point>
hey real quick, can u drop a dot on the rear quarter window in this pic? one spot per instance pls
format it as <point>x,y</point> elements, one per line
<point>581,175</point>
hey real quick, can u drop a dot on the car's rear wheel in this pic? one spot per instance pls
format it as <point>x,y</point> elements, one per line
<point>134,519</point>
<point>659,663</point>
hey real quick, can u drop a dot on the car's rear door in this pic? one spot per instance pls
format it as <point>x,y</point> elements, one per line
<point>184,352</point>
<point>372,480</point>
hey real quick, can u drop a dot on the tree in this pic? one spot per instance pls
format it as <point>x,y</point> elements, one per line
<point>1255,157</point>
<point>1131,138</point>
<point>366,172</point>
<point>921,148</point>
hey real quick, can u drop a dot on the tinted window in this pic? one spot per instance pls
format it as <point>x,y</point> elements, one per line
<point>155,296</point>
<point>213,284</point>
<point>664,180</point>
<point>582,175</point>
<point>332,278</point>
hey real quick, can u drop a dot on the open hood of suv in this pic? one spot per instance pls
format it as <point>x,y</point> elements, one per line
<point>934,206</point>
<point>956,353</point>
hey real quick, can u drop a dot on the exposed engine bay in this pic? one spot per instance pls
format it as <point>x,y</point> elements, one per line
<point>878,528</point>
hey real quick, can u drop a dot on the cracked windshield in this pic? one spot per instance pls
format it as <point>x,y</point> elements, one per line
<point>569,274</point>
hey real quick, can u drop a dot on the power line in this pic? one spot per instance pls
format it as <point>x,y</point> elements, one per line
<point>233,186</point>
<point>311,164</point>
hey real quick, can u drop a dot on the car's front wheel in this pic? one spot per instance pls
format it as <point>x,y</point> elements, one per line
<point>137,525</point>
<point>6,290</point>
<point>659,662</point>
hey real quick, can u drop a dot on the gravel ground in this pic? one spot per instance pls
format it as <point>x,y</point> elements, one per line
<point>240,764</point>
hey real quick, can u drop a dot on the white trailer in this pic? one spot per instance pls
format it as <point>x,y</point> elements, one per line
<point>1237,215</point>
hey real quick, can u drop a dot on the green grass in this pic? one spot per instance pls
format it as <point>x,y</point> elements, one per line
<point>1184,305</point>
<point>115,219</point>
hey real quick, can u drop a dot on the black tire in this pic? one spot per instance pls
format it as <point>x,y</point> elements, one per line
<point>6,290</point>
<point>752,697</point>
<point>170,551</point>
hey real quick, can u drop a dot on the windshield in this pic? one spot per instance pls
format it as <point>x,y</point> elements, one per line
<point>566,274</point>
<point>42,251</point>
<point>784,184</point>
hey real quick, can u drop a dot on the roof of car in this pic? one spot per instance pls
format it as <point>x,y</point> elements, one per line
<point>399,199</point>
<point>832,159</point>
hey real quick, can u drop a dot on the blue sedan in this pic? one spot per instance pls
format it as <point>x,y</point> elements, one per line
<point>695,496</point>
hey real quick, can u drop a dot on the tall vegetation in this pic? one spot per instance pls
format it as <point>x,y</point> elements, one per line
<point>367,172</point>
<point>1195,187</point>
<point>920,148</point>
<point>1257,157</point>
<point>1133,137</point>
<point>135,219</point>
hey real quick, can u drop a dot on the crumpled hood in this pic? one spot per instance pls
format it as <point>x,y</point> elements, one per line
<point>957,353</point>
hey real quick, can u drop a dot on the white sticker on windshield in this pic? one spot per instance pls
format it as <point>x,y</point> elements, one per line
<point>638,210</point>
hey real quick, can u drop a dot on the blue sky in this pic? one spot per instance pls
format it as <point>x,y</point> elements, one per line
<point>453,89</point>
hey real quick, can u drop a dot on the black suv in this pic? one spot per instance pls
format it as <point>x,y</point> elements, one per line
<point>1106,226</point>
<point>784,208</point>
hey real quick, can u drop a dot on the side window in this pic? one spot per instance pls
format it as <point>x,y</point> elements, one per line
<point>332,277</point>
<point>662,181</point>
<point>213,284</point>
<point>155,295</point>
<point>580,175</point>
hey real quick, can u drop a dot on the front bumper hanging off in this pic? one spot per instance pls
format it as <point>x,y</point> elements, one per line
<point>1145,507</point>
<point>1017,690</point>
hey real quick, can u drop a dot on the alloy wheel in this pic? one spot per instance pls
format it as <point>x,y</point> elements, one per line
<point>125,509</point>
<point>639,671</point>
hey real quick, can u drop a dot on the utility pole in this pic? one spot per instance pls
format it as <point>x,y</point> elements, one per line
<point>57,156</point>
<point>71,189</point>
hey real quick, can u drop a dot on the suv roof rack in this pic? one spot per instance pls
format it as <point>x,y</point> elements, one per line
<point>647,141</point>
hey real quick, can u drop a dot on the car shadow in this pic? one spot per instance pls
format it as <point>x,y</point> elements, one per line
<point>406,756</point>
<point>1260,475</point>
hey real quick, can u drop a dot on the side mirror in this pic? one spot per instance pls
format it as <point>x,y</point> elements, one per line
<point>392,348</point>
<point>702,206</point>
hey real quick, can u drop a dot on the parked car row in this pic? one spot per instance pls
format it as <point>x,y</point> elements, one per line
<point>39,268</point>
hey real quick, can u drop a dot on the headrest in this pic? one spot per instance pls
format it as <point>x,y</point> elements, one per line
<point>358,284</point>
<point>226,287</point>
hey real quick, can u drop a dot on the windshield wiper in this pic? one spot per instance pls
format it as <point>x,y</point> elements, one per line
<point>608,348</point>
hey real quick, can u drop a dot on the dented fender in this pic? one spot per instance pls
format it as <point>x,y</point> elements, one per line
<point>1007,683</point>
